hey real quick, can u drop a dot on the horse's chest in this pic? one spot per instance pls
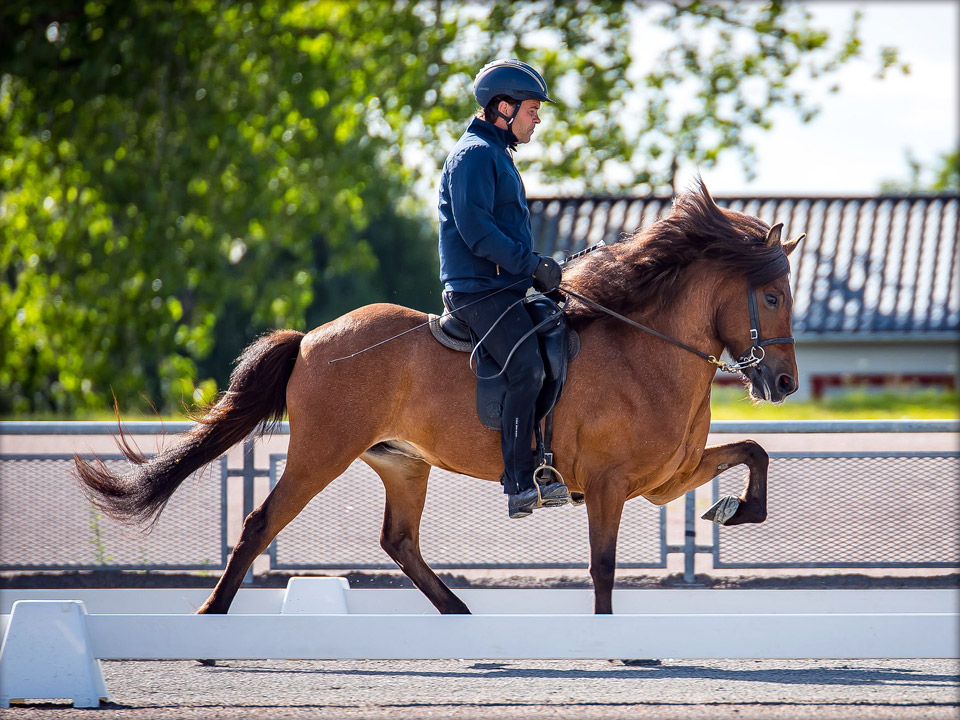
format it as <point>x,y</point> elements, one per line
<point>657,461</point>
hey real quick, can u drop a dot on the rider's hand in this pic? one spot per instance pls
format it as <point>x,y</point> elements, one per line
<point>546,278</point>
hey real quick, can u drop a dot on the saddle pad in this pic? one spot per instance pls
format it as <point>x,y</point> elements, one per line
<point>444,339</point>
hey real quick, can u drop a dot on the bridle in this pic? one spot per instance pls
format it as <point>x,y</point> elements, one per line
<point>755,339</point>
<point>752,357</point>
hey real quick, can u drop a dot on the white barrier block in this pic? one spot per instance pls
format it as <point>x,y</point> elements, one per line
<point>315,596</point>
<point>513,637</point>
<point>46,654</point>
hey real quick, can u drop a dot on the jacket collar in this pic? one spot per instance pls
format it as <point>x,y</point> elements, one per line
<point>500,137</point>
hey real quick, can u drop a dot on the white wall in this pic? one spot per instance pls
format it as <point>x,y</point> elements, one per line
<point>900,356</point>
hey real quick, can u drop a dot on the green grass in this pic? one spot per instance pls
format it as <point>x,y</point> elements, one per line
<point>852,404</point>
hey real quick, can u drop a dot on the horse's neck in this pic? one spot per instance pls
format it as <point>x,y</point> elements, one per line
<point>690,319</point>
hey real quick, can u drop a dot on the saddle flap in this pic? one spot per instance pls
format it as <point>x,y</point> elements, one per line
<point>556,349</point>
<point>558,346</point>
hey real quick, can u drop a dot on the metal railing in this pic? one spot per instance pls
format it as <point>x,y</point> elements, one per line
<point>827,509</point>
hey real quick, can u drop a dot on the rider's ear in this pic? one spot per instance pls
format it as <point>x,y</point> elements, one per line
<point>788,247</point>
<point>773,237</point>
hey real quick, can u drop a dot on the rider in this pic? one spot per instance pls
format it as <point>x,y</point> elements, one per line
<point>487,263</point>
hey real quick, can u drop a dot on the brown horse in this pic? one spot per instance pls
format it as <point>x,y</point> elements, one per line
<point>632,421</point>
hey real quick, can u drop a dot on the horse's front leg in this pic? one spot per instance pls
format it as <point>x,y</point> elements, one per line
<point>604,508</point>
<point>751,505</point>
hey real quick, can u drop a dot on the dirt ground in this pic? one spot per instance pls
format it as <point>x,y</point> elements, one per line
<point>124,579</point>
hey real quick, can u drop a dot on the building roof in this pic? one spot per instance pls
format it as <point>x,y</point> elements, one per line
<point>884,265</point>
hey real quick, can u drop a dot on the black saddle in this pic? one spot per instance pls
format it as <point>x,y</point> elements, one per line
<point>558,346</point>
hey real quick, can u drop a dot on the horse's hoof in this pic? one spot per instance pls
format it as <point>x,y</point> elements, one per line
<point>722,510</point>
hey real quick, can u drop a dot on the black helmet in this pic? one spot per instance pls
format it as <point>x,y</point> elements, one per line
<point>512,78</point>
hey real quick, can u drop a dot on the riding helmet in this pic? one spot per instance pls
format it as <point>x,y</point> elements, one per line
<point>512,78</point>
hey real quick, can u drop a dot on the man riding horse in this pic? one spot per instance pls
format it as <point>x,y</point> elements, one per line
<point>487,263</point>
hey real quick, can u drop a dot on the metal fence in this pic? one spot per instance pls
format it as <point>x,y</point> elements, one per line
<point>47,524</point>
<point>851,510</point>
<point>340,527</point>
<point>827,509</point>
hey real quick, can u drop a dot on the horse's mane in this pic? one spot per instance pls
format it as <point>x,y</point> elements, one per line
<point>643,270</point>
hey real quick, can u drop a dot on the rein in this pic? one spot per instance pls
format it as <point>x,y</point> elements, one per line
<point>575,256</point>
<point>423,324</point>
<point>749,359</point>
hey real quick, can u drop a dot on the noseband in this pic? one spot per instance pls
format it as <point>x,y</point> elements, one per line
<point>752,357</point>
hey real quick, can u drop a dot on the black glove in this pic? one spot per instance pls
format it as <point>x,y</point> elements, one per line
<point>546,278</point>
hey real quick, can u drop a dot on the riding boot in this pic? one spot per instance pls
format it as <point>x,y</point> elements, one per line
<point>523,503</point>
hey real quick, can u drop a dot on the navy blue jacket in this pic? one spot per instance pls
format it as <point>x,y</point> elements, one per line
<point>485,238</point>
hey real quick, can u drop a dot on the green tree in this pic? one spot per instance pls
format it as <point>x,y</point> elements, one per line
<point>943,176</point>
<point>178,175</point>
<point>167,165</point>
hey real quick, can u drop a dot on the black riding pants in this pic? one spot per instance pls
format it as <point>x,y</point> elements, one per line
<point>525,374</point>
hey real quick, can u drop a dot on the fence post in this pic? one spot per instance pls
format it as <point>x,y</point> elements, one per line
<point>249,474</point>
<point>689,538</point>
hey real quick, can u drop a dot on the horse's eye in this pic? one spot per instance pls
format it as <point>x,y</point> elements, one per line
<point>771,300</point>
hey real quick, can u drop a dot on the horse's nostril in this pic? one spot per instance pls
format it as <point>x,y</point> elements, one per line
<point>786,384</point>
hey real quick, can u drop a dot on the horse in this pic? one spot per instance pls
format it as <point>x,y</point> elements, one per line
<point>632,421</point>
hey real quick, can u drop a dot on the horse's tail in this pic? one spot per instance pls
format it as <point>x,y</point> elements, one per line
<point>256,399</point>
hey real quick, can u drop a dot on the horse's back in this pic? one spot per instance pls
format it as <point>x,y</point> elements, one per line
<point>376,350</point>
<point>357,330</point>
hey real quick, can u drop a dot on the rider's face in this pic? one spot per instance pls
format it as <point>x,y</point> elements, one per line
<point>526,121</point>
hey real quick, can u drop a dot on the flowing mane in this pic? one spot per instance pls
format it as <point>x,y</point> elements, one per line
<point>643,269</point>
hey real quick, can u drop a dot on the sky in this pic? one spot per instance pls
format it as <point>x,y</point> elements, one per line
<point>863,133</point>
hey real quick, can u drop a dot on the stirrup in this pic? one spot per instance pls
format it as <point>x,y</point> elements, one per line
<point>552,494</point>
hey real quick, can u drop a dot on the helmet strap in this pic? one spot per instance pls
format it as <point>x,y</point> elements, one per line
<point>509,118</point>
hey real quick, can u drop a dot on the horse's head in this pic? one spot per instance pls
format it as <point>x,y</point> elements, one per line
<point>755,324</point>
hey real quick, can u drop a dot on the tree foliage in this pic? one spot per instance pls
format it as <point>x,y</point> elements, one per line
<point>178,175</point>
<point>942,176</point>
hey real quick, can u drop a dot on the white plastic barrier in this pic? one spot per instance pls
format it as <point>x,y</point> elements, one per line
<point>52,647</point>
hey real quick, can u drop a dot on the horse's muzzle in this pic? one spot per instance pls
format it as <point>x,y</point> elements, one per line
<point>770,385</point>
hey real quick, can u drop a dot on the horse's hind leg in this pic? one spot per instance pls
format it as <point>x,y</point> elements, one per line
<point>405,481</point>
<point>290,495</point>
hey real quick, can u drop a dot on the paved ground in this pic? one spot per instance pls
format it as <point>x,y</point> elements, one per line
<point>585,690</point>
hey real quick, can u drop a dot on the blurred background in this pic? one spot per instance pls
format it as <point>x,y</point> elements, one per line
<point>178,177</point>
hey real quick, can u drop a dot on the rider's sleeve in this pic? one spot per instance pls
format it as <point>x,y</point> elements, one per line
<point>472,190</point>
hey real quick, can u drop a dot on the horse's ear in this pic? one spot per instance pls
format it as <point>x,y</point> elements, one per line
<point>773,237</point>
<point>790,246</point>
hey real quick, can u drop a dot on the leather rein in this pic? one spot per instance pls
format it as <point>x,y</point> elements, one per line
<point>749,359</point>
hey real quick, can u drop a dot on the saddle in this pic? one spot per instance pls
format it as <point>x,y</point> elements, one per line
<point>558,346</point>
